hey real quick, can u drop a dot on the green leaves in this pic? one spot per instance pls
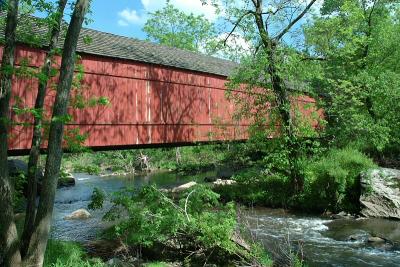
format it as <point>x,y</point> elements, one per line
<point>197,221</point>
<point>172,27</point>
<point>360,75</point>
<point>97,199</point>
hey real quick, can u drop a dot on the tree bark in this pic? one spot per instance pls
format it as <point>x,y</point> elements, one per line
<point>280,91</point>
<point>38,242</point>
<point>9,252</point>
<point>37,131</point>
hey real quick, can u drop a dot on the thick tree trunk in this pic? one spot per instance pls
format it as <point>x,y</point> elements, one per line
<point>38,242</point>
<point>9,252</point>
<point>37,131</point>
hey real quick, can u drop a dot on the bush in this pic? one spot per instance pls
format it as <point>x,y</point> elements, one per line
<point>255,188</point>
<point>195,227</point>
<point>67,254</point>
<point>332,182</point>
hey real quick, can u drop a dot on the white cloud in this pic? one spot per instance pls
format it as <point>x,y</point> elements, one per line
<point>129,16</point>
<point>132,16</point>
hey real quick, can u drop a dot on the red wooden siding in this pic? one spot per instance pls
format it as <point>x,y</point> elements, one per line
<point>150,104</point>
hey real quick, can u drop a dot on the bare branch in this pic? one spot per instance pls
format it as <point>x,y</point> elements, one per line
<point>293,22</point>
<point>248,12</point>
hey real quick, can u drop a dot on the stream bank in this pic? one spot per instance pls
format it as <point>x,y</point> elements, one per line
<point>325,242</point>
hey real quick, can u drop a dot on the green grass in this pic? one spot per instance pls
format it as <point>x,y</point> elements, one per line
<point>68,254</point>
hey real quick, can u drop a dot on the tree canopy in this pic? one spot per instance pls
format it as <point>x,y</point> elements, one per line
<point>173,27</point>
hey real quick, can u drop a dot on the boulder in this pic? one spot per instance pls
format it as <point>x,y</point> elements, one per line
<point>375,239</point>
<point>183,187</point>
<point>80,214</point>
<point>66,180</point>
<point>380,193</point>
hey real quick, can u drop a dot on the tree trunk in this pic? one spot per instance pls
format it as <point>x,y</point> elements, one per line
<point>9,253</point>
<point>38,242</point>
<point>282,96</point>
<point>287,127</point>
<point>37,132</point>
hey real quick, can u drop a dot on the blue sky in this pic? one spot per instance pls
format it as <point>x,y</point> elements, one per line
<point>127,17</point>
<point>105,16</point>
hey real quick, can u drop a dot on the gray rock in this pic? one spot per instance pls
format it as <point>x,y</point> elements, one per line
<point>380,193</point>
<point>183,187</point>
<point>375,239</point>
<point>66,180</point>
<point>80,214</point>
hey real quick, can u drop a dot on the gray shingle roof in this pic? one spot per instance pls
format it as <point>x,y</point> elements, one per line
<point>106,44</point>
<point>110,45</point>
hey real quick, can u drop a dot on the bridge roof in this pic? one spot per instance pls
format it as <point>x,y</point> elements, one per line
<point>106,44</point>
<point>111,45</point>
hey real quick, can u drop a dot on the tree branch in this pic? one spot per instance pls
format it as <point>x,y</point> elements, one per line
<point>293,22</point>
<point>248,12</point>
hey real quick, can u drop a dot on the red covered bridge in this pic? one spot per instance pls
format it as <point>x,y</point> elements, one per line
<point>158,95</point>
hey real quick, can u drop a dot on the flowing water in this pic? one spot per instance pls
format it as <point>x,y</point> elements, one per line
<point>326,242</point>
<point>323,242</point>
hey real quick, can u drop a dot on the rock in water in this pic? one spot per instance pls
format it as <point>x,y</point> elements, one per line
<point>183,187</point>
<point>66,180</point>
<point>380,193</point>
<point>375,239</point>
<point>80,214</point>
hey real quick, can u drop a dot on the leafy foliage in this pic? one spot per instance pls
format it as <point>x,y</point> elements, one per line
<point>332,181</point>
<point>195,224</point>
<point>67,254</point>
<point>173,27</point>
<point>359,73</point>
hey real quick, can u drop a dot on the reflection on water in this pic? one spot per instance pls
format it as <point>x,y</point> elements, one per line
<point>325,242</point>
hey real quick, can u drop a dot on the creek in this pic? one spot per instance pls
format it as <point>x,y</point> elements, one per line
<point>323,242</point>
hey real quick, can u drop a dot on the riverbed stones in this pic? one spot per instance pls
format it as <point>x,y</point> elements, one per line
<point>80,214</point>
<point>380,193</point>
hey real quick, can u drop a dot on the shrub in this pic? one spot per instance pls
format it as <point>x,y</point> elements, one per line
<point>259,189</point>
<point>196,227</point>
<point>68,254</point>
<point>332,182</point>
